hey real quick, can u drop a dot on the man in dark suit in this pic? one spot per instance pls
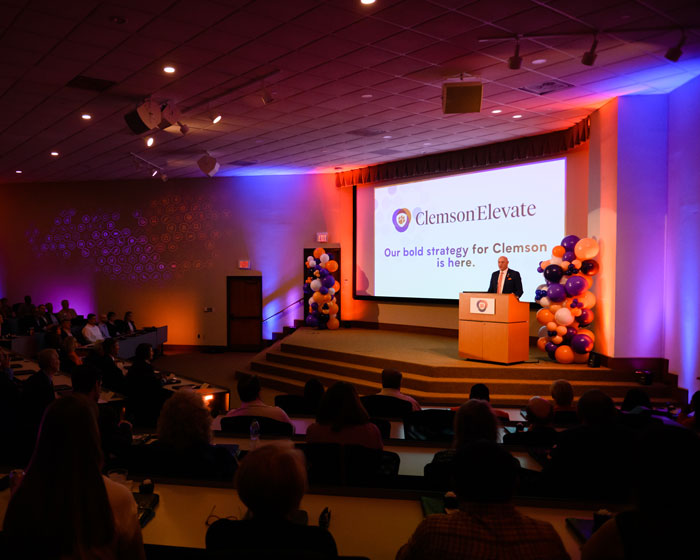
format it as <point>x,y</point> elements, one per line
<point>505,280</point>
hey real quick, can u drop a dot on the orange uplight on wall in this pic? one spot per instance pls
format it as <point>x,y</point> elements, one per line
<point>207,398</point>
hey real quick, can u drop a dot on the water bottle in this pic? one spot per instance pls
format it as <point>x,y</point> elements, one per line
<point>254,434</point>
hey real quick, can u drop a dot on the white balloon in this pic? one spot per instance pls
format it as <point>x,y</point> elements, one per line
<point>543,331</point>
<point>556,260</point>
<point>542,287</point>
<point>563,280</point>
<point>316,285</point>
<point>324,258</point>
<point>564,317</point>
<point>331,291</point>
<point>544,302</point>
<point>312,263</point>
<point>309,258</point>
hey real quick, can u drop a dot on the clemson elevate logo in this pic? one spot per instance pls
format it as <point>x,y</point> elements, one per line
<point>401,219</point>
<point>481,305</point>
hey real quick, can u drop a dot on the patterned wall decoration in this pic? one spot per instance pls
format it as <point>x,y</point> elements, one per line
<point>173,236</point>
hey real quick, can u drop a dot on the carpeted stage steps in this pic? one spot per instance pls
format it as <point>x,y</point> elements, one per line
<point>432,370</point>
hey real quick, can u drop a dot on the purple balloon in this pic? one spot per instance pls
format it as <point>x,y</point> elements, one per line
<point>329,281</point>
<point>569,242</point>
<point>553,273</point>
<point>557,292</point>
<point>550,347</point>
<point>569,256</point>
<point>581,343</point>
<point>576,286</point>
<point>570,333</point>
<point>311,321</point>
<point>590,268</point>
<point>323,290</point>
<point>586,317</point>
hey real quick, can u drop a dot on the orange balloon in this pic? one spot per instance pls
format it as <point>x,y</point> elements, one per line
<point>542,342</point>
<point>581,358</point>
<point>586,248</point>
<point>326,298</point>
<point>545,264</point>
<point>558,251</point>
<point>564,355</point>
<point>554,307</point>
<point>588,299</point>
<point>331,266</point>
<point>576,263</point>
<point>561,330</point>
<point>317,297</point>
<point>576,312</point>
<point>333,323</point>
<point>544,316</point>
<point>318,251</point>
<point>565,265</point>
<point>551,326</point>
<point>336,286</point>
<point>333,308</point>
<point>557,339</point>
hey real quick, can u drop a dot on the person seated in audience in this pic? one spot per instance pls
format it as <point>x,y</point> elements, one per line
<point>91,331</point>
<point>481,391</point>
<point>487,525</point>
<point>112,327</point>
<point>592,460</point>
<point>9,409</point>
<point>40,320</point>
<point>104,326</point>
<point>342,419</point>
<point>563,396</point>
<point>540,433</point>
<point>391,387</point>
<point>64,507</point>
<point>689,416</point>
<point>37,394</point>
<point>51,317</point>
<point>66,312</point>
<point>27,308</point>
<point>6,308</point>
<point>65,330</point>
<point>115,433</point>
<point>184,442</point>
<point>474,421</point>
<point>129,326</point>
<point>144,387</point>
<point>636,401</point>
<point>251,404</point>
<point>665,519</point>
<point>113,377</point>
<point>69,357</point>
<point>34,322</point>
<point>313,393</point>
<point>52,338</point>
<point>271,482</point>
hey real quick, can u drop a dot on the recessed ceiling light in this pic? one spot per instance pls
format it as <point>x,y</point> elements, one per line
<point>539,61</point>
<point>216,119</point>
<point>18,171</point>
<point>367,2</point>
<point>149,141</point>
<point>427,144</point>
<point>169,69</point>
<point>517,116</point>
<point>86,116</point>
<point>367,96</point>
<point>496,111</point>
<point>54,154</point>
<point>154,173</point>
<point>387,137</point>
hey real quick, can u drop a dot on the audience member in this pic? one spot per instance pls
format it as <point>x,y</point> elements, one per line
<point>391,387</point>
<point>184,442</point>
<point>64,507</point>
<point>144,387</point>
<point>593,459</point>
<point>27,308</point>
<point>9,410</point>
<point>487,525</point>
<point>313,393</point>
<point>104,326</point>
<point>665,519</point>
<point>52,338</point>
<point>51,317</point>
<point>251,404</point>
<point>481,391</point>
<point>66,312</point>
<point>113,377</point>
<point>129,326</point>
<point>342,419</point>
<point>38,393</point>
<point>271,482</point>
<point>65,330</point>
<point>474,421</point>
<point>636,401</point>
<point>70,359</point>
<point>689,416</point>
<point>115,433</point>
<point>539,414</point>
<point>112,325</point>
<point>6,309</point>
<point>91,331</point>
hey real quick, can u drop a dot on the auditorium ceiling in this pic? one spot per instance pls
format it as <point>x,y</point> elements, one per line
<point>312,85</point>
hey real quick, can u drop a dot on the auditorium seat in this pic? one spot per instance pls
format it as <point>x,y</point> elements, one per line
<point>240,425</point>
<point>384,406</point>
<point>429,425</point>
<point>294,404</point>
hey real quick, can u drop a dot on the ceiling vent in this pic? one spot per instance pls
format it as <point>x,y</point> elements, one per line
<point>546,87</point>
<point>90,84</point>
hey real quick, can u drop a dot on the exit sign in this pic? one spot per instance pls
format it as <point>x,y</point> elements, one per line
<point>322,237</point>
<point>244,265</point>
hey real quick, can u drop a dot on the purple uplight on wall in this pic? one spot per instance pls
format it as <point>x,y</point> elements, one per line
<point>184,230</point>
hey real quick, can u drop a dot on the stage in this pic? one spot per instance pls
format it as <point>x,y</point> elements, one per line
<point>432,370</point>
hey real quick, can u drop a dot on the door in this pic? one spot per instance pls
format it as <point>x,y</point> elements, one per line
<point>244,310</point>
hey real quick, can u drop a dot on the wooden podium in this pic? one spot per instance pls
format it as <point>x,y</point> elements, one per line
<point>493,327</point>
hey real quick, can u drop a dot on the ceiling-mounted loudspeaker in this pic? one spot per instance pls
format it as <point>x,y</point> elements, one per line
<point>461,97</point>
<point>208,165</point>
<point>170,115</point>
<point>146,117</point>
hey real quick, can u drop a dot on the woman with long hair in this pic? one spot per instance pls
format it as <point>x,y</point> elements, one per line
<point>341,418</point>
<point>64,507</point>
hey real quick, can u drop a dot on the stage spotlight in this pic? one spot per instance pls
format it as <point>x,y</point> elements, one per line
<point>146,117</point>
<point>589,56</point>
<point>216,119</point>
<point>266,97</point>
<point>149,141</point>
<point>154,173</point>
<point>516,60</point>
<point>208,165</point>
<point>184,129</point>
<point>674,53</point>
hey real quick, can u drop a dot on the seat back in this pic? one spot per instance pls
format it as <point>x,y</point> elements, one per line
<point>240,425</point>
<point>293,404</point>
<point>430,425</point>
<point>384,406</point>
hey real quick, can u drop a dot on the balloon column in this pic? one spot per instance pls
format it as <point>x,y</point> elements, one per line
<point>567,301</point>
<point>322,286</point>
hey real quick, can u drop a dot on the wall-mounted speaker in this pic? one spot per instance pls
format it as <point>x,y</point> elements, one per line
<point>461,97</point>
<point>144,118</point>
